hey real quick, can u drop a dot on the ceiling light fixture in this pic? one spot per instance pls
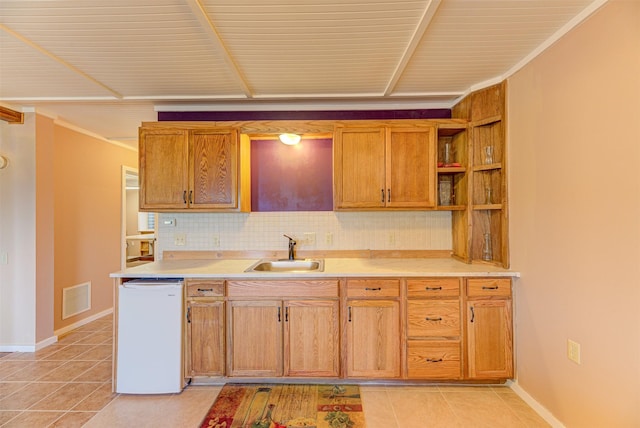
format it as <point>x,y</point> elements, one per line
<point>290,139</point>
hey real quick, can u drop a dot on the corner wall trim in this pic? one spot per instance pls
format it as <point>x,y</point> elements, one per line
<point>539,408</point>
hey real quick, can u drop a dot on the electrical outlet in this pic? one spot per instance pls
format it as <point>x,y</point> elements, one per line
<point>180,239</point>
<point>215,240</point>
<point>573,351</point>
<point>309,238</point>
<point>328,238</point>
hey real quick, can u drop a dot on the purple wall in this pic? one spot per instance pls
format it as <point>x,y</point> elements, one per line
<point>303,115</point>
<point>291,178</point>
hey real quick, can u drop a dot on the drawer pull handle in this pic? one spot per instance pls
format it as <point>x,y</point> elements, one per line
<point>388,195</point>
<point>205,289</point>
<point>373,289</point>
<point>495,287</point>
<point>184,196</point>
<point>434,360</point>
<point>382,191</point>
<point>349,313</point>
<point>433,288</point>
<point>433,319</point>
<point>286,314</point>
<point>279,314</point>
<point>189,315</point>
<point>473,314</point>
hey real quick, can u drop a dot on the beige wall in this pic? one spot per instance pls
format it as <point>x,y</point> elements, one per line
<point>574,142</point>
<point>88,200</point>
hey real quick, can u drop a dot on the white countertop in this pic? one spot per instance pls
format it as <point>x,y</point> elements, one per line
<point>333,267</point>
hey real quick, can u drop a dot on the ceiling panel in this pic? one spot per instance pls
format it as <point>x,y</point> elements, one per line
<point>137,48</point>
<point>469,42</point>
<point>251,54</point>
<point>316,48</point>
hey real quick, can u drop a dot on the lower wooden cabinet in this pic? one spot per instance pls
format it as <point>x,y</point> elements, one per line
<point>433,359</point>
<point>297,338</point>
<point>204,329</point>
<point>283,328</point>
<point>489,329</point>
<point>255,338</point>
<point>311,345</point>
<point>381,328</point>
<point>434,330</point>
<point>373,339</point>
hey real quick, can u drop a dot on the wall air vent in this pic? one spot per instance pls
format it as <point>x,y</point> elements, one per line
<point>76,299</point>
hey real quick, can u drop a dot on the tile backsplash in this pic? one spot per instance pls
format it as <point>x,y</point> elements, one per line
<point>405,230</point>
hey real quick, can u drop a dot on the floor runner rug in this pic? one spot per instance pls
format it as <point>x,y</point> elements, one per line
<point>286,406</point>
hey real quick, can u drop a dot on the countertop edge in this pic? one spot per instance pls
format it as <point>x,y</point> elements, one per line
<point>334,268</point>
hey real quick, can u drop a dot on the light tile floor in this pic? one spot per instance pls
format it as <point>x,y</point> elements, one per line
<point>68,384</point>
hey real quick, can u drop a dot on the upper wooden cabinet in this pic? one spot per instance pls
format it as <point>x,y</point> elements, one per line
<point>480,227</point>
<point>192,169</point>
<point>384,167</point>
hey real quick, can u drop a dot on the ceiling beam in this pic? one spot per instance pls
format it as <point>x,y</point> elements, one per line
<point>201,14</point>
<point>11,116</point>
<point>416,38</point>
<point>58,59</point>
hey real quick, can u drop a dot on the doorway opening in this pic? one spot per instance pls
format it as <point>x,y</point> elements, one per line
<point>138,228</point>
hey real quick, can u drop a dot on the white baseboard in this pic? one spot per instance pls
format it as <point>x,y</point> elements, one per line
<point>44,343</point>
<point>29,348</point>
<point>82,322</point>
<point>53,339</point>
<point>17,348</point>
<point>539,408</point>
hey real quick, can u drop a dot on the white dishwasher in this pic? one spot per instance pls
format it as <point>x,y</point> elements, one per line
<point>149,345</point>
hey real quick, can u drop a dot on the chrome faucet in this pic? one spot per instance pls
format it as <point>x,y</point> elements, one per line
<point>292,243</point>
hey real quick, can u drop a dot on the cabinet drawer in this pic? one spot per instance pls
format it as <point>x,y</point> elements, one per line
<point>199,288</point>
<point>433,318</point>
<point>292,288</point>
<point>477,287</point>
<point>441,287</point>
<point>433,359</point>
<point>373,288</point>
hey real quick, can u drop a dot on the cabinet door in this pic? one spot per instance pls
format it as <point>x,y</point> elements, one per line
<point>373,338</point>
<point>205,338</point>
<point>359,165</point>
<point>163,168</point>
<point>311,344</point>
<point>490,339</point>
<point>255,342</point>
<point>213,169</point>
<point>410,165</point>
